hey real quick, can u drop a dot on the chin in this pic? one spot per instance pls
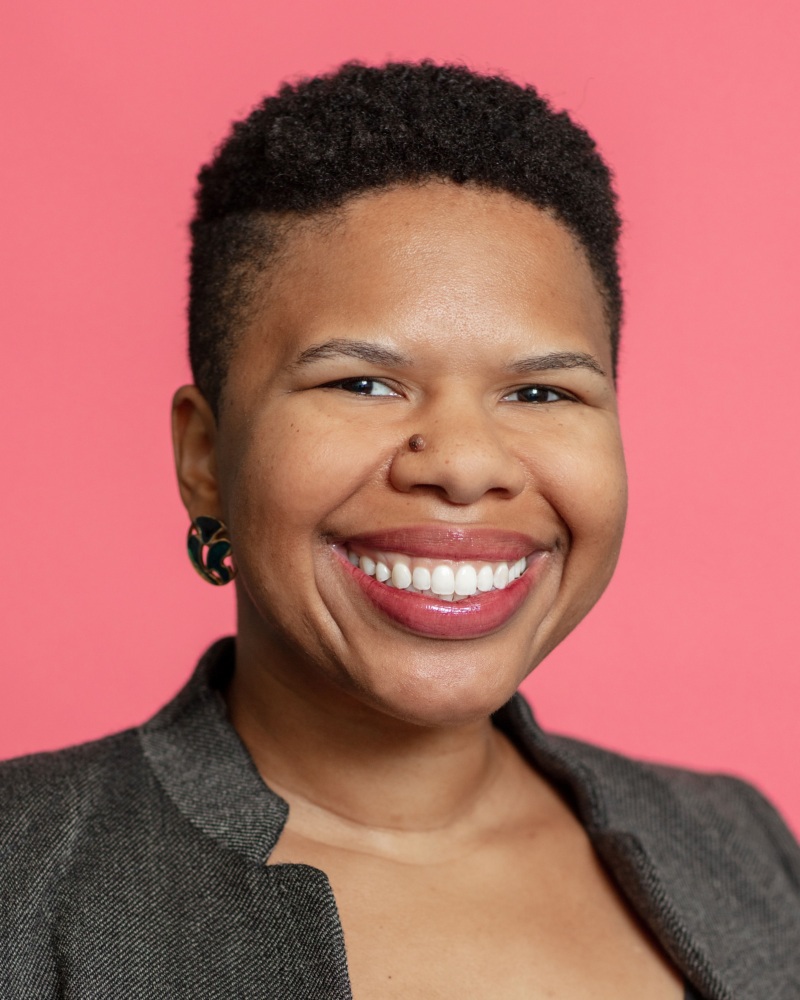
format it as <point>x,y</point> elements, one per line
<point>444,694</point>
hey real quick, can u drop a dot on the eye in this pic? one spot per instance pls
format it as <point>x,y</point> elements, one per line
<point>537,394</point>
<point>362,386</point>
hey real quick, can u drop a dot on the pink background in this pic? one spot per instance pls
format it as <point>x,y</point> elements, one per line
<point>692,656</point>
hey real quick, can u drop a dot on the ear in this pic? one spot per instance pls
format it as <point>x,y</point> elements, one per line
<point>194,434</point>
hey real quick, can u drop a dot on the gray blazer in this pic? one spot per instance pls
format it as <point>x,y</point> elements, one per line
<point>133,867</point>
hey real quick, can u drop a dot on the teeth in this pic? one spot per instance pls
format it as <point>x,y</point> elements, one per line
<point>443,581</point>
<point>450,581</point>
<point>466,582</point>
<point>401,576</point>
<point>421,578</point>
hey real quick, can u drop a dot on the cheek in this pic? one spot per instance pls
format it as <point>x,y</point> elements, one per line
<point>587,486</point>
<point>290,470</point>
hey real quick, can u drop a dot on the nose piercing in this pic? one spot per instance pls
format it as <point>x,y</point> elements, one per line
<point>416,442</point>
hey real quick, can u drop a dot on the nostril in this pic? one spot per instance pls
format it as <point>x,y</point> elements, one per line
<point>461,464</point>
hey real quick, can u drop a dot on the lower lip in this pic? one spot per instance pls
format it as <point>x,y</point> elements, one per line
<point>469,618</point>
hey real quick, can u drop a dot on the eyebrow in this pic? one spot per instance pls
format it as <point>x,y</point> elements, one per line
<point>377,354</point>
<point>556,360</point>
<point>362,350</point>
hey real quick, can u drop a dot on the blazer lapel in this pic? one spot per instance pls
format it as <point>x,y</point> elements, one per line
<point>670,840</point>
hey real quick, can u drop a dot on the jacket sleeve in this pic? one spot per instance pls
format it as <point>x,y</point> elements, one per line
<point>775,829</point>
<point>35,820</point>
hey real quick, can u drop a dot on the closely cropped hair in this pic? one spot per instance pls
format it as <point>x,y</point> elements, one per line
<point>322,140</point>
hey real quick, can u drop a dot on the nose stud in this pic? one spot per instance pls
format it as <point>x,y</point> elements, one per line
<point>416,442</point>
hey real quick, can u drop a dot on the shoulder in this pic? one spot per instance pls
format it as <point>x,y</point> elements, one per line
<point>57,813</point>
<point>33,781</point>
<point>50,801</point>
<point>735,808</point>
<point>713,812</point>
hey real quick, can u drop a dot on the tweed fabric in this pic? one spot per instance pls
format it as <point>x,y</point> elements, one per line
<point>135,866</point>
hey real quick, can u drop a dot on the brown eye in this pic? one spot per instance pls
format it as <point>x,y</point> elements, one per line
<point>362,386</point>
<point>537,394</point>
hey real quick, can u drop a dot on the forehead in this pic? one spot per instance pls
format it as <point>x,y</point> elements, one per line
<point>434,263</point>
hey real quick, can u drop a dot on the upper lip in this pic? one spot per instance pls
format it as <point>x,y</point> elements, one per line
<point>453,542</point>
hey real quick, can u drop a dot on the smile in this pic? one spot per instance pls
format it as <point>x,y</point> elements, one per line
<point>444,583</point>
<point>446,580</point>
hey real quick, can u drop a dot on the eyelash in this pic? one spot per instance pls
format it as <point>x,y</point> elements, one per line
<point>560,394</point>
<point>343,382</point>
<point>363,379</point>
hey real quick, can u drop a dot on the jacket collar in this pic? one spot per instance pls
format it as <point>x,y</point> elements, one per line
<point>709,898</point>
<point>668,862</point>
<point>205,768</point>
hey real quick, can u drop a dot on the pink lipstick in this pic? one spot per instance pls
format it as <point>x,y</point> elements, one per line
<point>467,582</point>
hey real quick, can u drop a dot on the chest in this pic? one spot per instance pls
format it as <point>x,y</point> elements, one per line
<point>513,920</point>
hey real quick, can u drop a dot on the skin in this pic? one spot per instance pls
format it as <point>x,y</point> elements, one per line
<point>380,739</point>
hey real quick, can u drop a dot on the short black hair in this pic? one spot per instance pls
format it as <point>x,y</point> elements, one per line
<point>327,138</point>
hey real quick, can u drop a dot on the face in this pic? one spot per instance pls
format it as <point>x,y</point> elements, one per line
<point>422,584</point>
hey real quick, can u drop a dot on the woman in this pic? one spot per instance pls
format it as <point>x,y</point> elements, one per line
<point>403,442</point>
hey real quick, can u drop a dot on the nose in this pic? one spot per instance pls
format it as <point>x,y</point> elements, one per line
<point>465,457</point>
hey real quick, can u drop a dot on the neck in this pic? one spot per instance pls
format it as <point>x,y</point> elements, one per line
<point>331,755</point>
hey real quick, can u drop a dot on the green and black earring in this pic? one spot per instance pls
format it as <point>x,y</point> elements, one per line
<point>209,550</point>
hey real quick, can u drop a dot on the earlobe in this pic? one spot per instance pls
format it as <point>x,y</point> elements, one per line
<point>194,433</point>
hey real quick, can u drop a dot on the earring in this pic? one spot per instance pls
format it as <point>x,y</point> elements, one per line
<point>209,550</point>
